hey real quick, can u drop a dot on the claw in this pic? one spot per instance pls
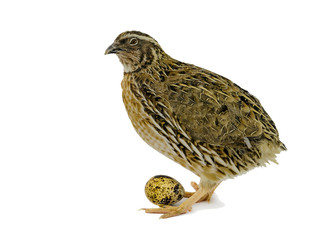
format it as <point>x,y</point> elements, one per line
<point>167,211</point>
<point>199,195</point>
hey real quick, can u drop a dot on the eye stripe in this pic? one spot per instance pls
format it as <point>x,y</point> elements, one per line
<point>149,39</point>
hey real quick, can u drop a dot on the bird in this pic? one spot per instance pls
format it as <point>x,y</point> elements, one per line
<point>197,118</point>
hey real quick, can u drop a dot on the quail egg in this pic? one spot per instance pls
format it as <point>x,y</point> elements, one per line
<point>163,190</point>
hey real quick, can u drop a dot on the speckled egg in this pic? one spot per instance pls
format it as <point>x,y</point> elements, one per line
<point>163,190</point>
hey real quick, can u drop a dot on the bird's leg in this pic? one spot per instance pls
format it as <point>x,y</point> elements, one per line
<point>203,192</point>
<point>207,197</point>
<point>189,194</point>
<point>171,211</point>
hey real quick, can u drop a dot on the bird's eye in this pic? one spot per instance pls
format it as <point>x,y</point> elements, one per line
<point>133,41</point>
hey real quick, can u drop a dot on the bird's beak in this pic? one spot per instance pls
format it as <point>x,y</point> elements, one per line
<point>112,49</point>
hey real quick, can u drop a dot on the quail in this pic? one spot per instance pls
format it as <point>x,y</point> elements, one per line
<point>199,119</point>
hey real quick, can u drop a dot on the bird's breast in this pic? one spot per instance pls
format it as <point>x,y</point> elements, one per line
<point>143,124</point>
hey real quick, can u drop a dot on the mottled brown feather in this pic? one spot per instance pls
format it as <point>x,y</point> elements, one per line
<point>197,118</point>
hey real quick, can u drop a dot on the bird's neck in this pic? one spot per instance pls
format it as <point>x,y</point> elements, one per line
<point>147,63</point>
<point>160,67</point>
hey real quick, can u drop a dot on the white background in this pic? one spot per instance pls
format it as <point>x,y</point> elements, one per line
<point>72,166</point>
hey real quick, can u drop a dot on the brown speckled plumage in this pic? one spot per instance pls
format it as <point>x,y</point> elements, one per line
<point>198,118</point>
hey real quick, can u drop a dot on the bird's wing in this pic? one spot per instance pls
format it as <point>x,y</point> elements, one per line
<point>214,110</point>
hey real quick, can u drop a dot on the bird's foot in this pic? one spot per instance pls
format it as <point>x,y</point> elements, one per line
<point>194,186</point>
<point>202,193</point>
<point>206,197</point>
<point>168,211</point>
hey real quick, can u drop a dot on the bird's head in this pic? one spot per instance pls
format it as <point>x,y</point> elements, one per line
<point>136,50</point>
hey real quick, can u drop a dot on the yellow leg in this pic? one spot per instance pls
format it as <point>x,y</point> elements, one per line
<point>189,194</point>
<point>207,197</point>
<point>203,192</point>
